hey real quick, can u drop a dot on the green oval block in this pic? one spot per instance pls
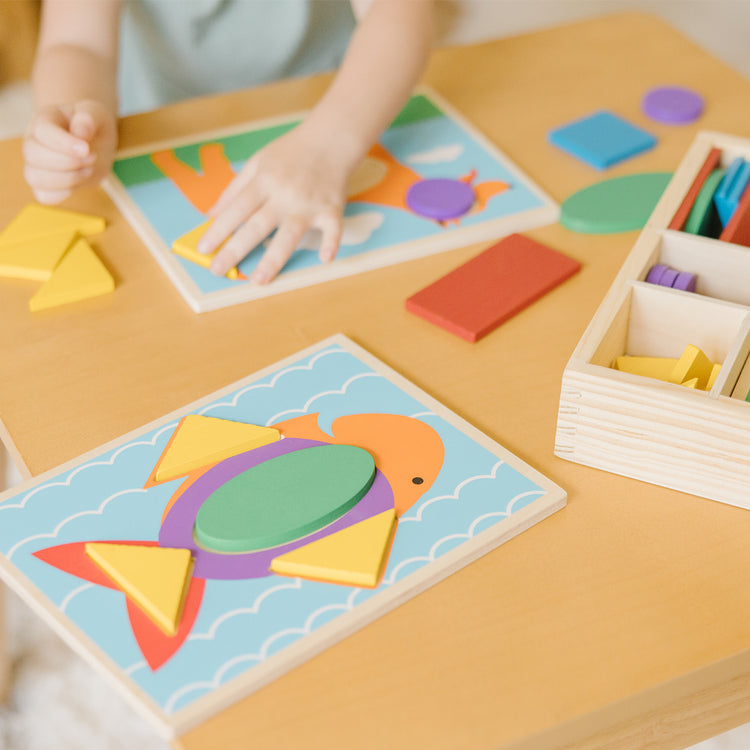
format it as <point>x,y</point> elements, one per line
<point>620,204</point>
<point>284,498</point>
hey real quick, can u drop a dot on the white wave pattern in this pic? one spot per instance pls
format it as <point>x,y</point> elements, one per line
<point>73,594</point>
<point>274,380</point>
<point>421,414</point>
<point>133,668</point>
<point>309,402</point>
<point>59,527</point>
<point>454,495</point>
<point>258,656</point>
<point>252,610</point>
<point>78,470</point>
<point>432,556</point>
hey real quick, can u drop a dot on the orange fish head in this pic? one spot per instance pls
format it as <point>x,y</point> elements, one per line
<point>408,452</point>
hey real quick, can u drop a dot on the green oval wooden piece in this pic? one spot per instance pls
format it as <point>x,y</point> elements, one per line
<point>704,216</point>
<point>619,204</point>
<point>284,498</point>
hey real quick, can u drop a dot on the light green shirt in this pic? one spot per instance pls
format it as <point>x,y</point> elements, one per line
<point>175,49</point>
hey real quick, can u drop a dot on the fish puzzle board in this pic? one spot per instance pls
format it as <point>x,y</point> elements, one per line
<point>456,495</point>
<point>165,189</point>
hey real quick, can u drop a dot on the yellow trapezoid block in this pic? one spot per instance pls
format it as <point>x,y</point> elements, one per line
<point>36,221</point>
<point>155,578</point>
<point>35,259</point>
<point>355,556</point>
<point>650,367</point>
<point>187,247</point>
<point>200,441</point>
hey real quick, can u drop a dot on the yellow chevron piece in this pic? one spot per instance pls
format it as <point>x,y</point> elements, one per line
<point>35,259</point>
<point>692,364</point>
<point>187,247</point>
<point>35,221</point>
<point>200,441</point>
<point>155,578</point>
<point>79,275</point>
<point>650,367</point>
<point>355,556</point>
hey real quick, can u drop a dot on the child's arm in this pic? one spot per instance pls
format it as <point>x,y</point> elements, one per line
<point>72,138</point>
<point>299,181</point>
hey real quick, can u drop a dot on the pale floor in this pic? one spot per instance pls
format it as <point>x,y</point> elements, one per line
<point>721,26</point>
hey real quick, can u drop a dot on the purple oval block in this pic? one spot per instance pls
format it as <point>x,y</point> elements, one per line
<point>673,105</point>
<point>685,281</point>
<point>655,274</point>
<point>440,199</point>
<point>177,528</point>
<point>668,277</point>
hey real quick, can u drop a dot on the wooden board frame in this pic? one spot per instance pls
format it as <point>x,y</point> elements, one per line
<point>451,239</point>
<point>551,499</point>
<point>694,441</point>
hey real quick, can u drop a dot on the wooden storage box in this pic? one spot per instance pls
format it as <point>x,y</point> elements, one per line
<point>697,441</point>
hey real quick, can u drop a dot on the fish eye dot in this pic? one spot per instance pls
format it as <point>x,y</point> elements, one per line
<point>417,480</point>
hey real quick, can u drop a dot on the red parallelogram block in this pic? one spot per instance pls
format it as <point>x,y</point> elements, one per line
<point>711,163</point>
<point>478,296</point>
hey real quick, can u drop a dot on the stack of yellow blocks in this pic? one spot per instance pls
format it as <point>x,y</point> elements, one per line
<point>693,369</point>
<point>48,245</point>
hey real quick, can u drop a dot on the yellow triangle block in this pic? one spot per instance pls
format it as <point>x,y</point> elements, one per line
<point>187,247</point>
<point>692,364</point>
<point>650,367</point>
<point>692,383</point>
<point>36,221</point>
<point>35,259</point>
<point>155,578</point>
<point>200,441</point>
<point>79,275</point>
<point>355,556</point>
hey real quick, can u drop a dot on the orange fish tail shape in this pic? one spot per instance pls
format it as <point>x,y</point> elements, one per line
<point>157,647</point>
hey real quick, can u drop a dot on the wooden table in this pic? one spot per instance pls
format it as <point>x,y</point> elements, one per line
<point>624,620</point>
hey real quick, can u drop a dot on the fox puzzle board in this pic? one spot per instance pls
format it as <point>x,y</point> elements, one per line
<point>429,164</point>
<point>228,587</point>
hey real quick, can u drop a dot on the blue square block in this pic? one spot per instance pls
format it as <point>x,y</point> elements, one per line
<point>602,139</point>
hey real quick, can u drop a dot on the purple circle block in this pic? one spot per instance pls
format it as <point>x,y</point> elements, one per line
<point>440,199</point>
<point>673,105</point>
<point>668,277</point>
<point>685,281</point>
<point>177,528</point>
<point>655,274</point>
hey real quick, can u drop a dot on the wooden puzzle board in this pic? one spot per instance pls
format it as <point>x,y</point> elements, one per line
<point>249,631</point>
<point>164,190</point>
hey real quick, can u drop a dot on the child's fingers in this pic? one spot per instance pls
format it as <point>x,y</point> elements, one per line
<point>83,124</point>
<point>37,155</point>
<point>245,205</point>
<point>51,197</point>
<point>280,249</point>
<point>331,225</point>
<point>235,187</point>
<point>42,179</point>
<point>54,135</point>
<point>250,234</point>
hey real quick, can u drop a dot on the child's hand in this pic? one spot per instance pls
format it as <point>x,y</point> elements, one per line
<point>296,183</point>
<point>67,147</point>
